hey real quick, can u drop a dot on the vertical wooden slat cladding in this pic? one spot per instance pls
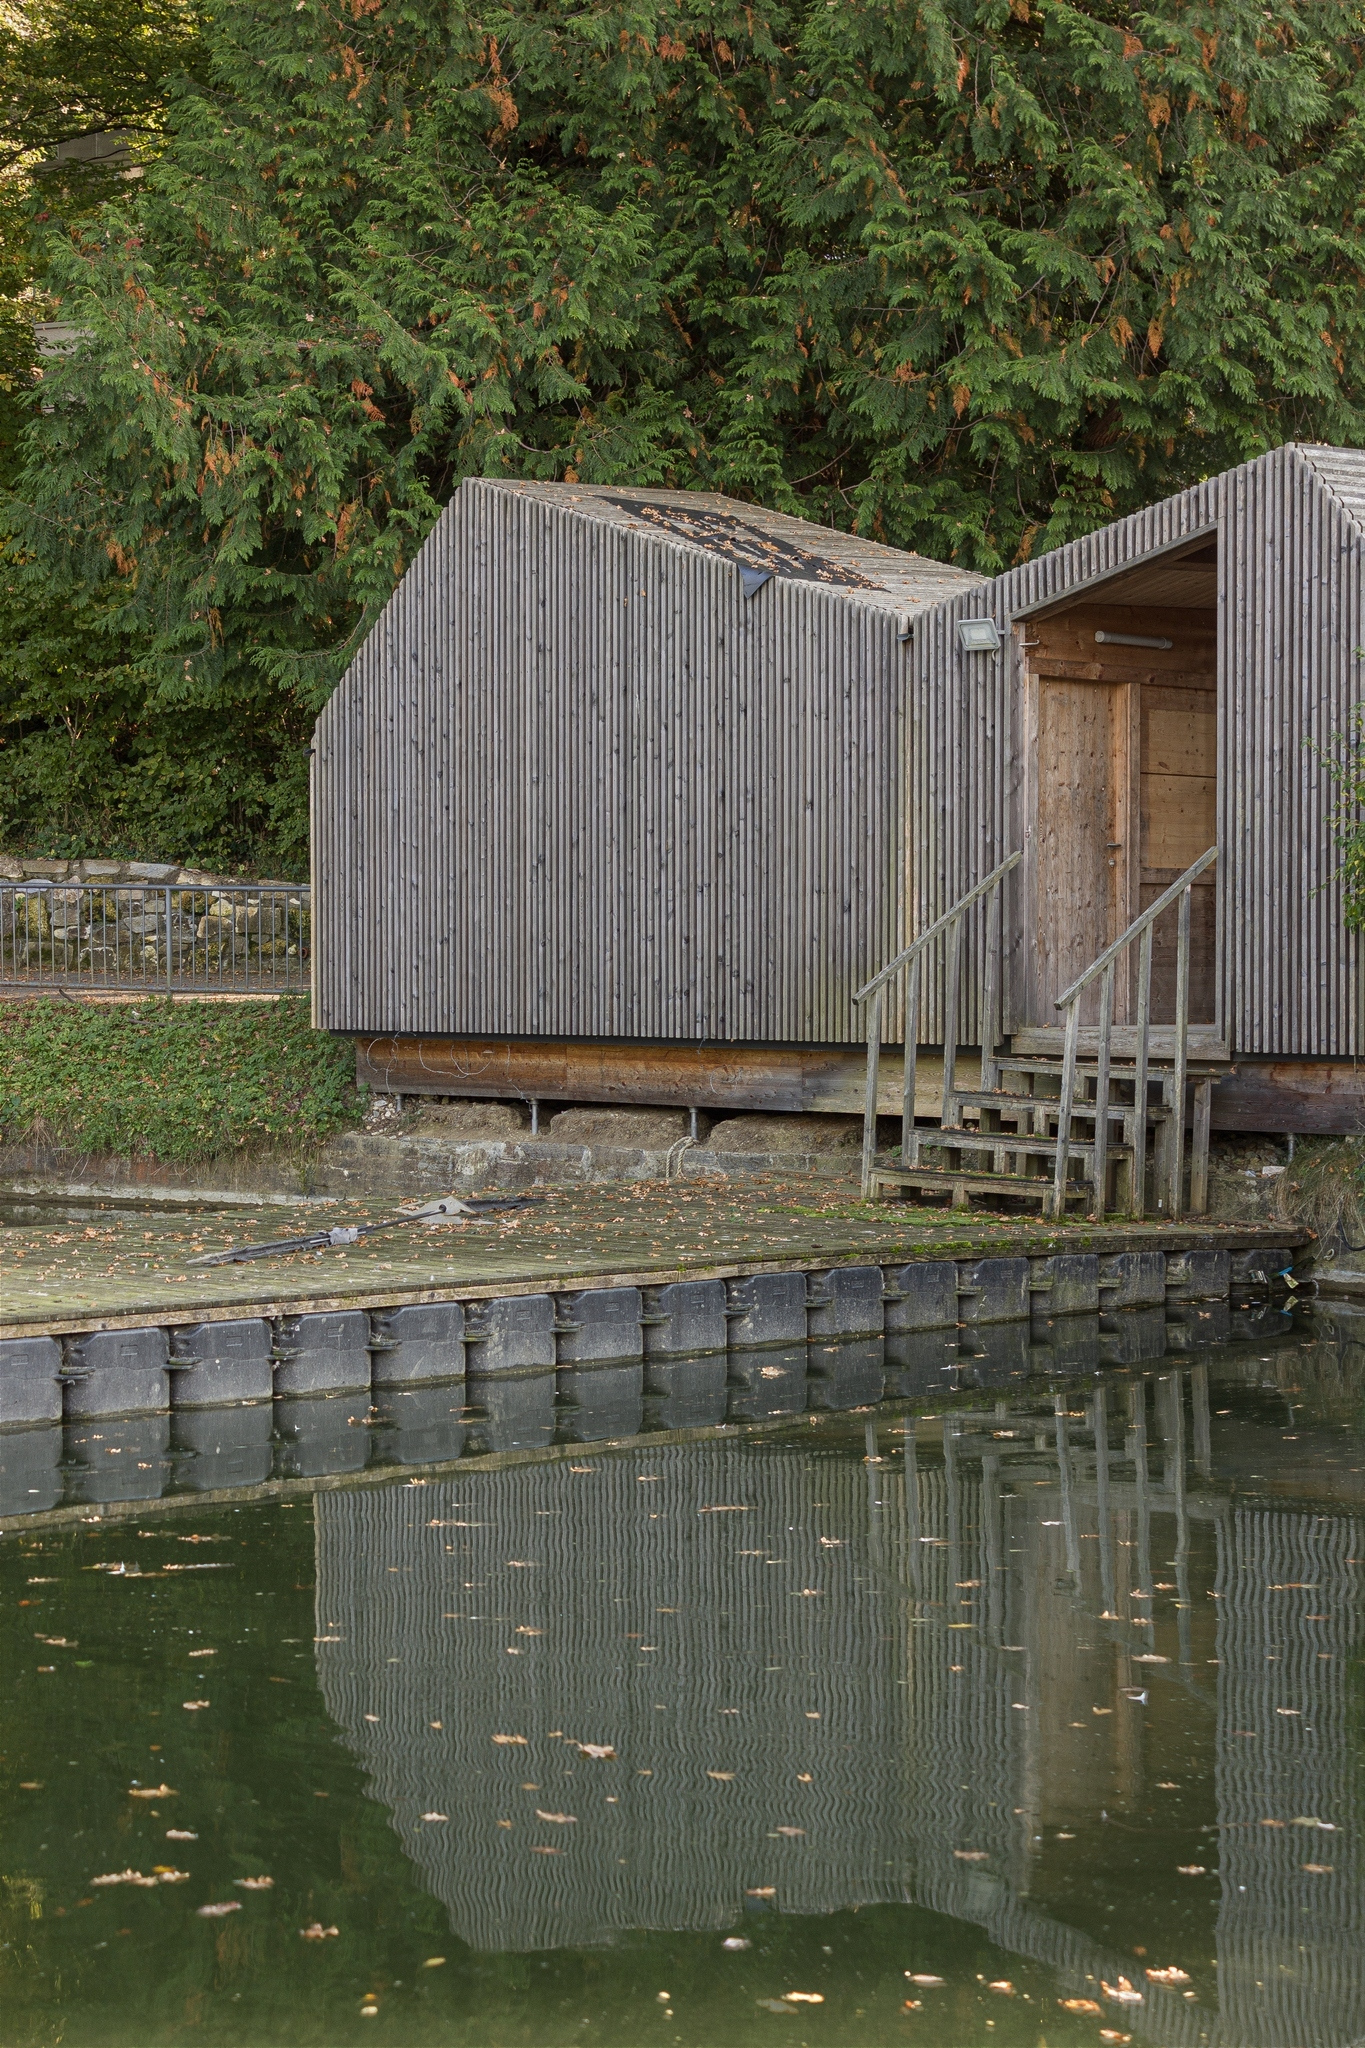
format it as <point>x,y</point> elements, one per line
<point>576,784</point>
<point>1291,617</point>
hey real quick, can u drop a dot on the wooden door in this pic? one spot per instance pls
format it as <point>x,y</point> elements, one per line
<point>1179,822</point>
<point>1082,877</point>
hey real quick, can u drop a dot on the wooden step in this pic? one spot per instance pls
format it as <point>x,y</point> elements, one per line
<point>970,1140</point>
<point>940,1180</point>
<point>1009,1105</point>
<point>1119,1069</point>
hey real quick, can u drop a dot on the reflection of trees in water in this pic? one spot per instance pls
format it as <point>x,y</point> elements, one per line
<point>535,1601</point>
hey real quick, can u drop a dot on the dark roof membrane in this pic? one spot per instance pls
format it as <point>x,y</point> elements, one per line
<point>741,543</point>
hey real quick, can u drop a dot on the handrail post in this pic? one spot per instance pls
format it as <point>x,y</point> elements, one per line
<point>874,1048</point>
<point>1100,1157</point>
<point>1068,1096</point>
<point>1144,1020</point>
<point>951,976</point>
<point>1182,1033</point>
<point>911,1060</point>
<point>990,991</point>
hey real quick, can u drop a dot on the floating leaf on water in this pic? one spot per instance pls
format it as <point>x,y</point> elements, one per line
<point>1191,1870</point>
<point>519,1740</point>
<point>912,2005</point>
<point>804,1997</point>
<point>593,1749</point>
<point>789,1831</point>
<point>1079,2005</point>
<point>775,2005</point>
<point>1003,1986</point>
<point>255,1884</point>
<point>317,1932</point>
<point>152,1792</point>
<point>761,1891</point>
<point>971,1855</point>
<point>123,1877</point>
<point>216,1912</point>
<point>168,1874</point>
<point>1318,1869</point>
<point>924,1980</point>
<point>435,1816</point>
<point>1122,1993</point>
<point>1112,2034</point>
<point>181,1835</point>
<point>542,1849</point>
<point>725,1777</point>
<point>193,1706</point>
<point>214,1653</point>
<point>433,1962</point>
<point>1171,1976</point>
<point>1150,1657</point>
<point>560,1819</point>
<point>735,1941</point>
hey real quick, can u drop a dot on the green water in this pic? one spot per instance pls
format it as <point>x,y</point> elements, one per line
<point>931,1689</point>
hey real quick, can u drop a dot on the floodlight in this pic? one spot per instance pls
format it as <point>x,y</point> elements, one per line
<point>978,636</point>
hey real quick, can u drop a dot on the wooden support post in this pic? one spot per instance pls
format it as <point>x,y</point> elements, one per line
<point>951,978</point>
<point>909,1145</point>
<point>1176,1206</point>
<point>874,1051</point>
<point>1199,1147</point>
<point>1100,1157</point>
<point>1144,1023</point>
<point>1057,1207</point>
<point>990,992</point>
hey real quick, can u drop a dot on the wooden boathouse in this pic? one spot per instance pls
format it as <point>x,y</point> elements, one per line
<point>631,795</point>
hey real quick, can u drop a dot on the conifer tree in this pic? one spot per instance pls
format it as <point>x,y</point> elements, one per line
<point>973,276</point>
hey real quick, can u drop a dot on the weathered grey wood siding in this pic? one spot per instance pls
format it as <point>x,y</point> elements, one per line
<point>1291,609</point>
<point>577,785</point>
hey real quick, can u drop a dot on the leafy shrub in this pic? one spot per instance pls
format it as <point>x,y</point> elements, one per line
<point>173,1081</point>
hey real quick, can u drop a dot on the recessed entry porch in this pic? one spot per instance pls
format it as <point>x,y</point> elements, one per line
<point>1118,764</point>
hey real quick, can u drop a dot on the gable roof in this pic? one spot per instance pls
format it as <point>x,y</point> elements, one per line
<point>764,544</point>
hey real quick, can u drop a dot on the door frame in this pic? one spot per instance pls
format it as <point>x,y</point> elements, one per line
<point>1021,781</point>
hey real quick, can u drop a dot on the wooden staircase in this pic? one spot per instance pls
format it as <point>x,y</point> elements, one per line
<point>1099,1125</point>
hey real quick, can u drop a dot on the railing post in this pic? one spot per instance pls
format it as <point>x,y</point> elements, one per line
<point>990,991</point>
<point>1182,1034</point>
<point>1100,1162</point>
<point>1068,1096</point>
<point>912,981</point>
<point>1144,1021</point>
<point>952,975</point>
<point>874,1050</point>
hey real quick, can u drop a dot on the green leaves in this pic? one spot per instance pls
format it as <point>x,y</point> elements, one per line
<point>173,1081</point>
<point>973,278</point>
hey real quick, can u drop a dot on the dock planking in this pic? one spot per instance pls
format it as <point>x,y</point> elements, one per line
<point>121,1270</point>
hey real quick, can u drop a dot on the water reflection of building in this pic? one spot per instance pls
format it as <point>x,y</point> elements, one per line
<point>890,1658</point>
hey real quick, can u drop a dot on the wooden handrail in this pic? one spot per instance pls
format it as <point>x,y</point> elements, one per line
<point>911,959</point>
<point>1070,1001</point>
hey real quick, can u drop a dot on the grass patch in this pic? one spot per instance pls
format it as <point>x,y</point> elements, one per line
<point>175,1082</point>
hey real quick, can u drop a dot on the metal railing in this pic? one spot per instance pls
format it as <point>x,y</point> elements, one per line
<point>233,938</point>
<point>912,960</point>
<point>1070,1001</point>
